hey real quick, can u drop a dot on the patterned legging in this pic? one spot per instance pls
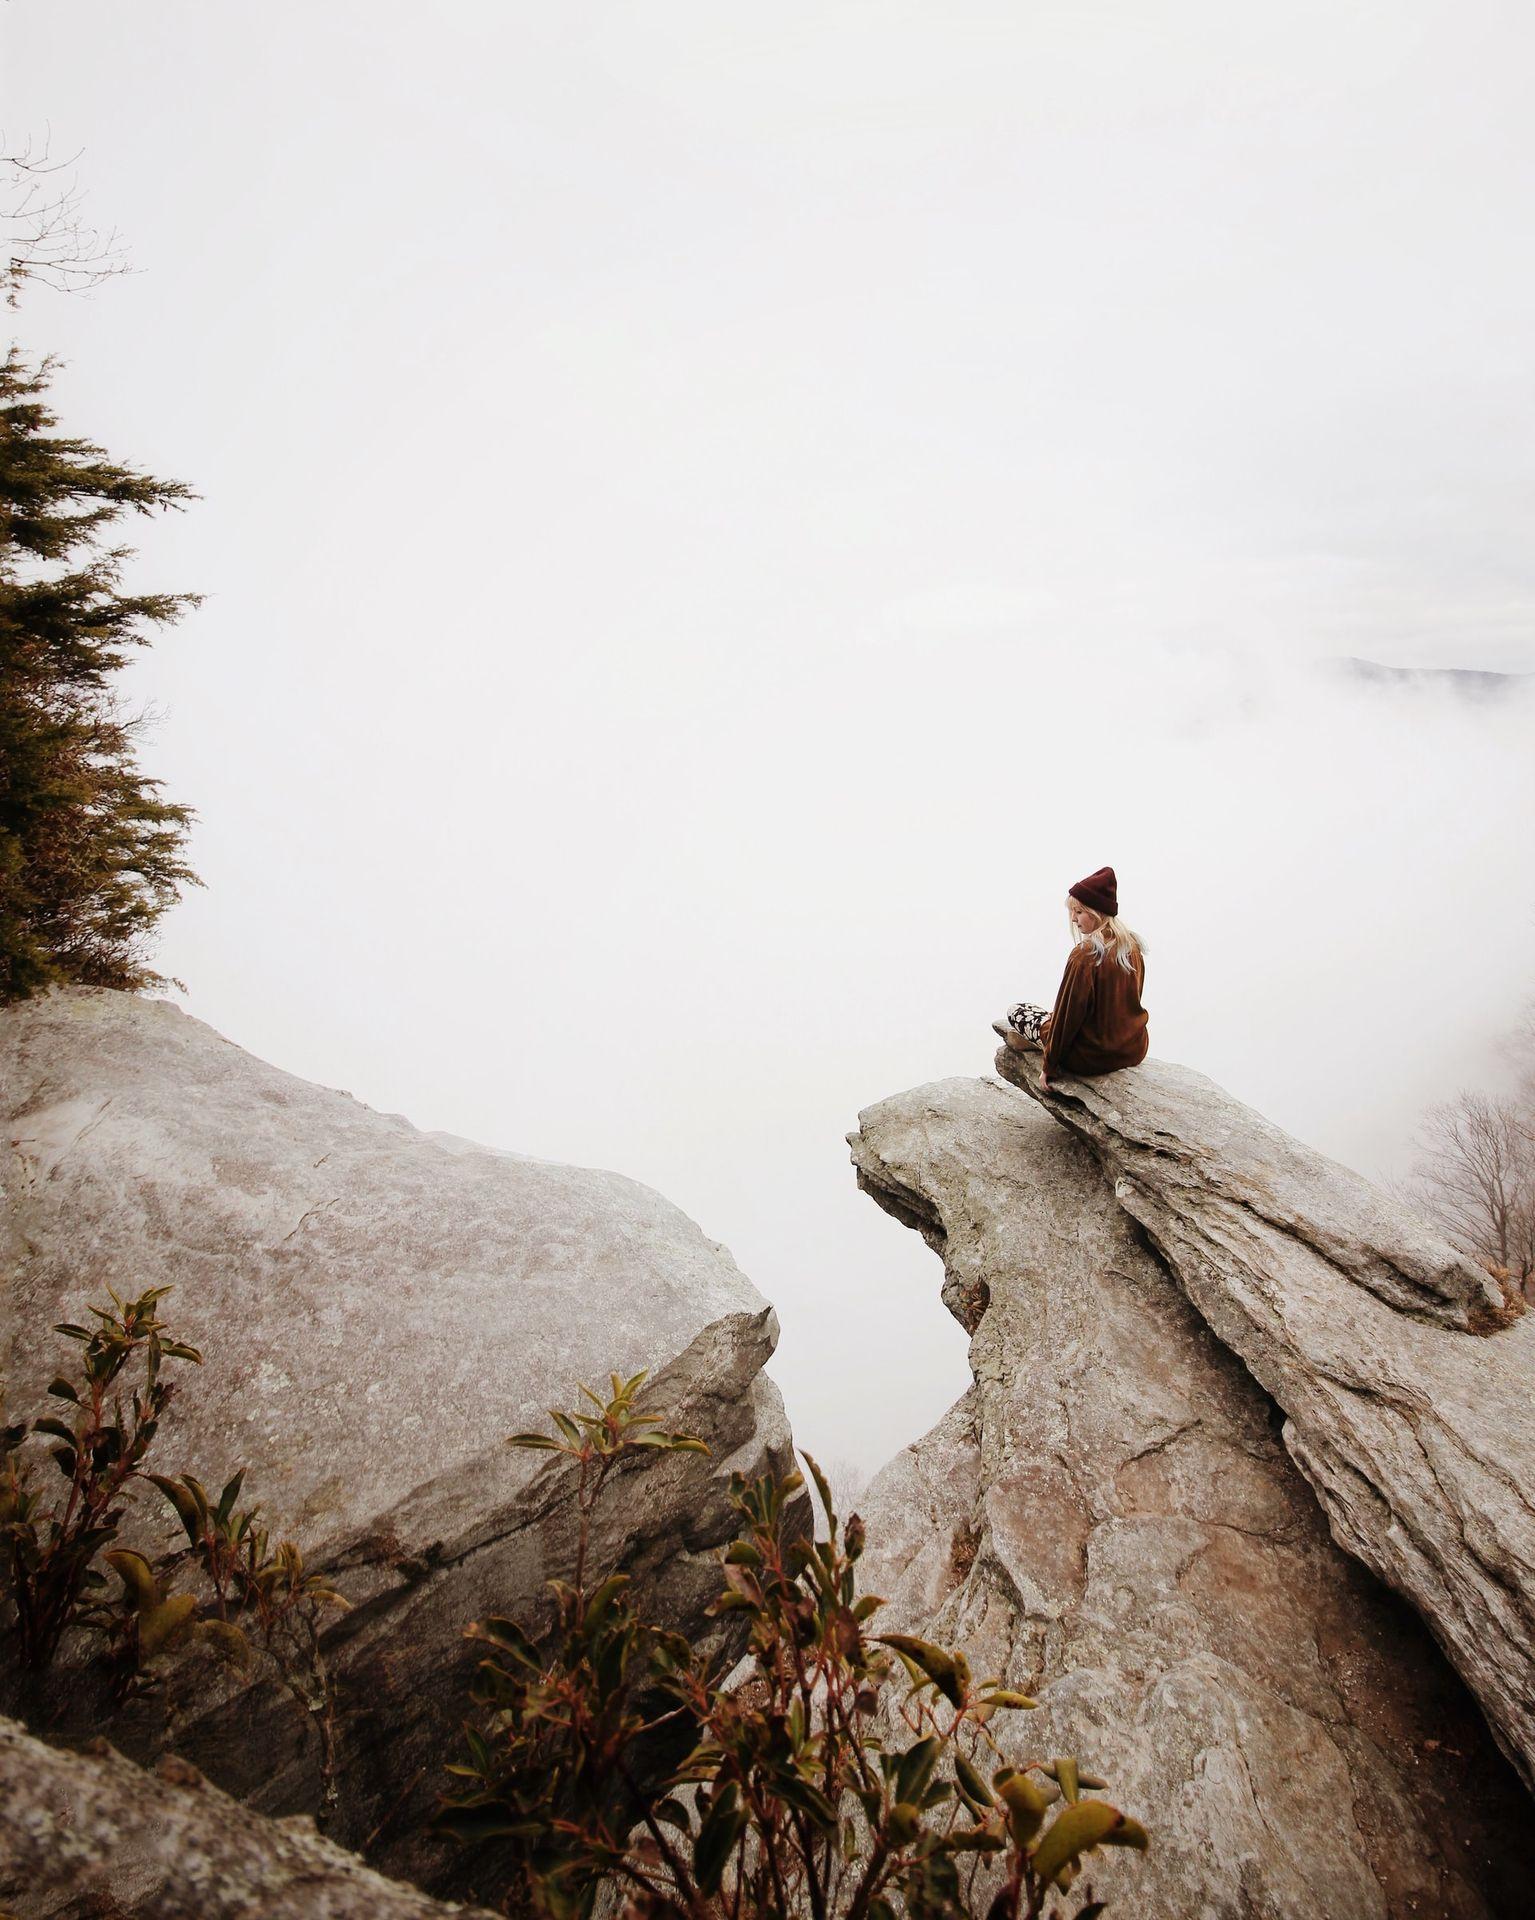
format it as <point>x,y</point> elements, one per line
<point>1025,1019</point>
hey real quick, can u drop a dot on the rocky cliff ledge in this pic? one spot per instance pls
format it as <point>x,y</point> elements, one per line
<point>1120,1514</point>
<point>1356,1319</point>
<point>379,1308</point>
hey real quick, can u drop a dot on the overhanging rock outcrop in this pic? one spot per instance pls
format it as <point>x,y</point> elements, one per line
<point>379,1309</point>
<point>1408,1394</point>
<point>1110,1519</point>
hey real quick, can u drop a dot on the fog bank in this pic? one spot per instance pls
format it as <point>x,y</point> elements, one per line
<point>711,524</point>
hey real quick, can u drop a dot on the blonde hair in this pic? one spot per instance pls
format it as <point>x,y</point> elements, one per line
<point>1110,931</point>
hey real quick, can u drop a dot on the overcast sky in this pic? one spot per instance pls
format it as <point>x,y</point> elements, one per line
<point>713,517</point>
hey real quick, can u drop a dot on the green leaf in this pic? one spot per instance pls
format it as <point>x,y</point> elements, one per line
<point>199,1494</point>
<point>479,1751</point>
<point>541,1441</point>
<point>975,1840</point>
<point>159,1626</point>
<point>601,1602</point>
<point>474,1824</point>
<point>136,1575</point>
<point>61,1389</point>
<point>1003,1697</point>
<point>905,1823</point>
<point>810,1800</point>
<point>508,1637</point>
<point>972,1785</point>
<point>729,1602</point>
<point>229,1496</point>
<point>670,1652</point>
<point>183,1502</point>
<point>916,1768</point>
<point>722,1828</point>
<point>934,1662</point>
<point>823,1488</point>
<point>1026,1804</point>
<point>672,1813</point>
<point>1078,1828</point>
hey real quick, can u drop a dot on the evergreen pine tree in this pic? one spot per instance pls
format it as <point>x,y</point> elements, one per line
<point>90,855</point>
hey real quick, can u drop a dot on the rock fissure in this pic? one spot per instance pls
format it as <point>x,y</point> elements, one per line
<point>320,1206</point>
<point>1165,1441</point>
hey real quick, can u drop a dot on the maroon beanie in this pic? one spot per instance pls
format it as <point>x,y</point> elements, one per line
<point>1099,890</point>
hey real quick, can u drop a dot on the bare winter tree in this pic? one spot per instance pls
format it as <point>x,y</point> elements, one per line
<point>1475,1171</point>
<point>1524,1056</point>
<point>42,230</point>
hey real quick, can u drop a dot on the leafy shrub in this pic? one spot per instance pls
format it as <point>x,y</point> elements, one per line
<point>48,1551</point>
<point>52,1552</point>
<point>806,1789</point>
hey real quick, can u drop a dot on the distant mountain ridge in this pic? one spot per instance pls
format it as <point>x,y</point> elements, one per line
<point>1481,682</point>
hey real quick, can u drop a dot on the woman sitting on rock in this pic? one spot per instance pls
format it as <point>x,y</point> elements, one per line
<point>1097,1024</point>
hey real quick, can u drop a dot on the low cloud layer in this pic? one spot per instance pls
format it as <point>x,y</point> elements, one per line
<point>711,525</point>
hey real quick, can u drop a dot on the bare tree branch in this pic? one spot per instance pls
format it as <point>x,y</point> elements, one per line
<point>43,233</point>
<point>1475,1175</point>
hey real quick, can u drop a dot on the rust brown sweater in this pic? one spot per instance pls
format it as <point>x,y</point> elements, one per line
<point>1098,1023</point>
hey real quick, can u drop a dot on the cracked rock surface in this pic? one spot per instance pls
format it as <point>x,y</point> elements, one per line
<point>379,1309</point>
<point>92,1833</point>
<point>1110,1519</point>
<point>1418,1436</point>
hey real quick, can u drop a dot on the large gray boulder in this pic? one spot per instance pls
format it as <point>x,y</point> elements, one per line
<point>93,1834</point>
<point>1417,1435</point>
<point>379,1309</point>
<point>1109,1518</point>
